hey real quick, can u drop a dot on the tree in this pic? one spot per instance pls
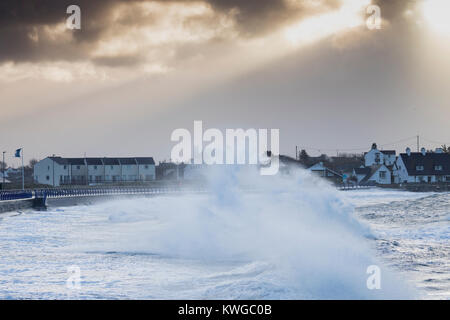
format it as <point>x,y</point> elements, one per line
<point>304,157</point>
<point>32,163</point>
<point>445,148</point>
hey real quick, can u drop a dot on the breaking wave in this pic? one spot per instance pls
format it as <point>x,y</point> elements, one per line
<point>291,237</point>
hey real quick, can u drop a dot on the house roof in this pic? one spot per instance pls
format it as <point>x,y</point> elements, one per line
<point>365,170</point>
<point>101,161</point>
<point>145,160</point>
<point>429,161</point>
<point>372,170</point>
<point>75,161</point>
<point>111,161</point>
<point>390,152</point>
<point>59,160</point>
<point>321,167</point>
<point>127,160</point>
<point>94,161</point>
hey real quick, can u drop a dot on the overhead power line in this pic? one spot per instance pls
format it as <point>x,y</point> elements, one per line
<point>357,149</point>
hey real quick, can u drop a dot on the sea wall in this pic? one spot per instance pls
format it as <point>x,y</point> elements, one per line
<point>14,205</point>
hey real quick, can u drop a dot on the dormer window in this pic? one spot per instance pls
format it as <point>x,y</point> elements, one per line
<point>438,168</point>
<point>419,168</point>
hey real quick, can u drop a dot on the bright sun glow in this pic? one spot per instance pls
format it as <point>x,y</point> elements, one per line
<point>349,16</point>
<point>436,14</point>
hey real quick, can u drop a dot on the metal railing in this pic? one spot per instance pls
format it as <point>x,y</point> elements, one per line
<point>92,192</point>
<point>16,195</point>
<point>355,187</point>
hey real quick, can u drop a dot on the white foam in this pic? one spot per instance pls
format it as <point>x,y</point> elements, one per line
<point>301,227</point>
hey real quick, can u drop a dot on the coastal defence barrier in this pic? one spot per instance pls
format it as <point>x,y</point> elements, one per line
<point>14,200</point>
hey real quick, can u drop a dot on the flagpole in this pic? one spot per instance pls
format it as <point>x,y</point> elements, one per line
<point>23,176</point>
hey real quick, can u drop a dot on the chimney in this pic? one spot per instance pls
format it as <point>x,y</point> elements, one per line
<point>408,151</point>
<point>439,150</point>
<point>374,146</point>
<point>423,151</point>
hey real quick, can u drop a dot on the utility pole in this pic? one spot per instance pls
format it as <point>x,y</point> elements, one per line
<point>296,152</point>
<point>3,167</point>
<point>23,174</point>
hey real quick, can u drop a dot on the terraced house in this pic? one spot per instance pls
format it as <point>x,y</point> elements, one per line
<point>57,171</point>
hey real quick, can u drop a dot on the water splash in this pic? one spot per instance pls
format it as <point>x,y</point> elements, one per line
<point>298,225</point>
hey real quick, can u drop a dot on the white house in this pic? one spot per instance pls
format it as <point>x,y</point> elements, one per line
<point>52,171</point>
<point>377,157</point>
<point>95,170</point>
<point>360,173</point>
<point>378,174</point>
<point>321,170</point>
<point>425,167</point>
<point>146,168</point>
<point>5,179</point>
<point>57,171</point>
<point>78,171</point>
<point>112,169</point>
<point>129,169</point>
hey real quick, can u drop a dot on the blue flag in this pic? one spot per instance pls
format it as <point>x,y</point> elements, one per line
<point>17,155</point>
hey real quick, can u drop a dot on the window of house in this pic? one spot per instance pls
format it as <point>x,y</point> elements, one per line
<point>447,178</point>
<point>78,167</point>
<point>65,167</point>
<point>382,174</point>
<point>111,167</point>
<point>48,168</point>
<point>146,166</point>
<point>419,168</point>
<point>95,167</point>
<point>438,168</point>
<point>47,178</point>
<point>377,157</point>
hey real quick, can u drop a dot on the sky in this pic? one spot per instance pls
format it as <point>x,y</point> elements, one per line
<point>137,70</point>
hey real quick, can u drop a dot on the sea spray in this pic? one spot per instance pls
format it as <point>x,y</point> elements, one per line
<point>296,227</point>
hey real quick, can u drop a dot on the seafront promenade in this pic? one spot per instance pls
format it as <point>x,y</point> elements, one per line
<point>20,199</point>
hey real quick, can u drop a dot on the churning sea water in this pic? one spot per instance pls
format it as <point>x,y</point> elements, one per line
<point>293,238</point>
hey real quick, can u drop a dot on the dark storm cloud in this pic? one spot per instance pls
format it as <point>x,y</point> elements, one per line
<point>20,20</point>
<point>392,9</point>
